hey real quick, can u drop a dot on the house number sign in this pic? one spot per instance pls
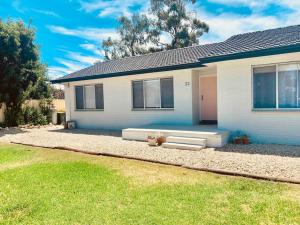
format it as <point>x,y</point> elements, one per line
<point>187,84</point>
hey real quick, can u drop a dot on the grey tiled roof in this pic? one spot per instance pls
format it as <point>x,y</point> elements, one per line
<point>242,43</point>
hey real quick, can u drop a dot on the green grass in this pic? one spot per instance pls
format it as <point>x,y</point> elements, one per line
<point>41,186</point>
<point>9,153</point>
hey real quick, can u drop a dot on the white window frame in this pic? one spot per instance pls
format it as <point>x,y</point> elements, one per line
<point>150,109</point>
<point>277,87</point>
<point>84,104</point>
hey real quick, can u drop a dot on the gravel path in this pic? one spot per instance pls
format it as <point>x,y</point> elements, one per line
<point>280,161</point>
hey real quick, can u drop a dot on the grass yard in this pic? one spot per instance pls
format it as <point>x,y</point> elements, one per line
<point>42,186</point>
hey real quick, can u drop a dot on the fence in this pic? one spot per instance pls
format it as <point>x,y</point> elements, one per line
<point>58,105</point>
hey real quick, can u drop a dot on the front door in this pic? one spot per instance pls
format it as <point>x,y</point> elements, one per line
<point>208,99</point>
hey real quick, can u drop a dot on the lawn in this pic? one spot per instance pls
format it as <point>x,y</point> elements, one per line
<point>42,186</point>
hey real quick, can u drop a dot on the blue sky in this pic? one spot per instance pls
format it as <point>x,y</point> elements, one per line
<point>70,32</point>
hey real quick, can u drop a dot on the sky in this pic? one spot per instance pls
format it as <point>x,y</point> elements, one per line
<point>70,32</point>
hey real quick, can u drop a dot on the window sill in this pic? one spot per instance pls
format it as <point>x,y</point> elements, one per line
<point>158,109</point>
<point>276,110</point>
<point>89,110</point>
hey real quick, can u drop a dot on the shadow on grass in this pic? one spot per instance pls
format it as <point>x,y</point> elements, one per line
<point>263,149</point>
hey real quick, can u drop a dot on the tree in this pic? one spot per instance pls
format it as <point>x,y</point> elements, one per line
<point>140,35</point>
<point>20,67</point>
<point>135,34</point>
<point>173,20</point>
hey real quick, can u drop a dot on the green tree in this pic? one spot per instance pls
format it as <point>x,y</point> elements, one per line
<point>20,67</point>
<point>140,35</point>
<point>135,35</point>
<point>174,20</point>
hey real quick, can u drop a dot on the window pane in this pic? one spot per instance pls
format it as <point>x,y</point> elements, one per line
<point>79,97</point>
<point>287,86</point>
<point>264,87</point>
<point>152,93</point>
<point>89,94</point>
<point>138,94</point>
<point>99,96</point>
<point>167,93</point>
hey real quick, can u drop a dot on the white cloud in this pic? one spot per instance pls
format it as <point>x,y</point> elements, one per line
<point>112,8</point>
<point>16,4</point>
<point>224,25</point>
<point>45,12</point>
<point>259,4</point>
<point>88,33</point>
<point>71,62</point>
<point>92,48</point>
<point>79,57</point>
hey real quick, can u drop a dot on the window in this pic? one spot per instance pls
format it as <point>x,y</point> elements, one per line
<point>276,86</point>
<point>265,87</point>
<point>89,97</point>
<point>79,97</point>
<point>153,94</point>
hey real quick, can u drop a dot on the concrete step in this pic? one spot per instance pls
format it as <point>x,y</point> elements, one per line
<point>186,140</point>
<point>182,146</point>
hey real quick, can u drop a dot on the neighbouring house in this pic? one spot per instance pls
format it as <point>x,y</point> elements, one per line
<point>249,82</point>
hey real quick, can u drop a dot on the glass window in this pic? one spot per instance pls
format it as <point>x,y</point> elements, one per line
<point>157,93</point>
<point>89,97</point>
<point>152,93</point>
<point>264,87</point>
<point>79,97</point>
<point>99,96</point>
<point>288,86</point>
<point>167,93</point>
<point>138,94</point>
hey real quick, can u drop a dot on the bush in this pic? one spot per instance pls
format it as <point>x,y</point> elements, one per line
<point>46,108</point>
<point>13,117</point>
<point>34,116</point>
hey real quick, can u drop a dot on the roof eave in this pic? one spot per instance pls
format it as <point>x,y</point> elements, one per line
<point>127,73</point>
<point>253,54</point>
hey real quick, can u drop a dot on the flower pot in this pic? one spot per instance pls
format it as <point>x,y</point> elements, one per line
<point>152,141</point>
<point>246,141</point>
<point>160,140</point>
<point>238,141</point>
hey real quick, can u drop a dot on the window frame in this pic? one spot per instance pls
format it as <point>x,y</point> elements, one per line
<point>277,87</point>
<point>151,109</point>
<point>84,104</point>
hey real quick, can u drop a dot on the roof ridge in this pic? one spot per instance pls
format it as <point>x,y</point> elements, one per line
<point>260,31</point>
<point>153,53</point>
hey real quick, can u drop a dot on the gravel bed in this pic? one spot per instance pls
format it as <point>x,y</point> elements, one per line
<point>280,161</point>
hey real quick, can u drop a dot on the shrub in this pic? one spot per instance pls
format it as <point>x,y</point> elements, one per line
<point>34,116</point>
<point>46,108</point>
<point>13,117</point>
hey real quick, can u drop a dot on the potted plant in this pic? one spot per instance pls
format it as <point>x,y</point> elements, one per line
<point>160,140</point>
<point>245,140</point>
<point>152,141</point>
<point>238,140</point>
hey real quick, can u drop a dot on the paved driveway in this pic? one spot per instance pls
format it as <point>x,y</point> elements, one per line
<point>280,161</point>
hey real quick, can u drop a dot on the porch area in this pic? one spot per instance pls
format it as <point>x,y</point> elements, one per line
<point>182,137</point>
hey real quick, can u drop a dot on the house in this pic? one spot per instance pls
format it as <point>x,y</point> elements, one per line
<point>249,82</point>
